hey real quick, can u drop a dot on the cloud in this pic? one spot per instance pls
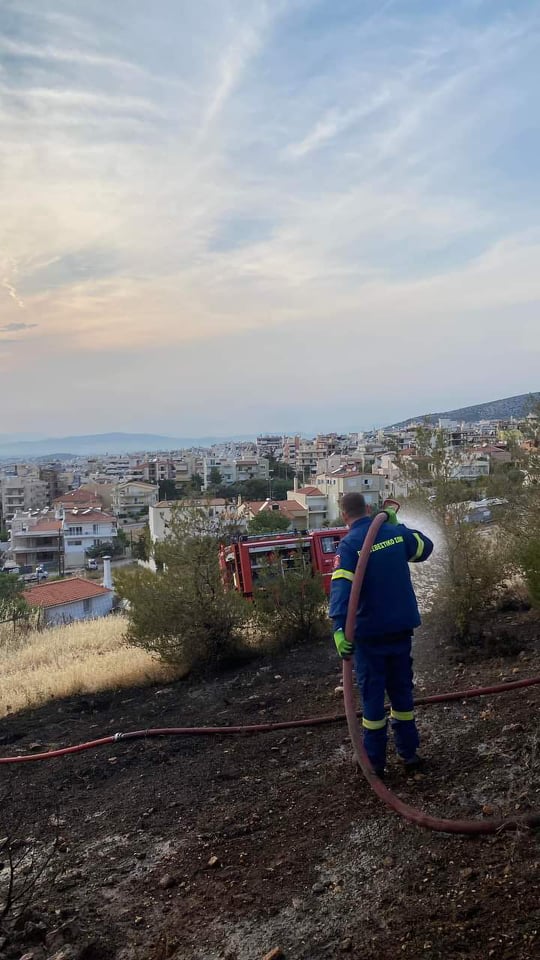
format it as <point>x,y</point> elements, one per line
<point>10,327</point>
<point>201,178</point>
<point>51,54</point>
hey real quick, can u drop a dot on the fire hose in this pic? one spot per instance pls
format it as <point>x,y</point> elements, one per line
<point>405,810</point>
<point>412,814</point>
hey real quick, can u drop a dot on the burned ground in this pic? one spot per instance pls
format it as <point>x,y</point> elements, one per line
<point>228,848</point>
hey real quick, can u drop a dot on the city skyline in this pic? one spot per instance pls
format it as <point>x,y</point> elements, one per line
<point>237,217</point>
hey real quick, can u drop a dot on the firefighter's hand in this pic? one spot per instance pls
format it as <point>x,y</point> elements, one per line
<point>392,516</point>
<point>344,648</point>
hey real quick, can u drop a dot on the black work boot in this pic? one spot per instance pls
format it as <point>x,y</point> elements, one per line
<point>414,763</point>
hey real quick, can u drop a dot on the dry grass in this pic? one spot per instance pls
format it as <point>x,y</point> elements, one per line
<point>81,658</point>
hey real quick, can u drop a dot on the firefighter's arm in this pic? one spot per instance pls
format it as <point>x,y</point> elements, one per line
<point>419,547</point>
<point>340,586</point>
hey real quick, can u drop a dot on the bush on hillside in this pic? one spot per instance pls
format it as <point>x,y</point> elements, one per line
<point>290,606</point>
<point>475,562</point>
<point>183,613</point>
<point>13,606</point>
<point>522,527</point>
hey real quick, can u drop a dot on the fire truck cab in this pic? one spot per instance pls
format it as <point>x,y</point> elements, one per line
<point>241,562</point>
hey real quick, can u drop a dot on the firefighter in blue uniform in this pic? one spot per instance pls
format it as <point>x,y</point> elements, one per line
<point>386,618</point>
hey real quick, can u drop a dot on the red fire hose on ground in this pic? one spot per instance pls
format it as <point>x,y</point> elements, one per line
<point>252,728</point>
<point>408,812</point>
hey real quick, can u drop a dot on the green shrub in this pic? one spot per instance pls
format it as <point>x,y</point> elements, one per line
<point>475,562</point>
<point>183,613</point>
<point>290,606</point>
<point>528,555</point>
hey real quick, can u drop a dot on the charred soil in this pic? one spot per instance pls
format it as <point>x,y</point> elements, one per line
<point>229,848</point>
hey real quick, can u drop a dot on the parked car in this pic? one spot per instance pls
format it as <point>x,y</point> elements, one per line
<point>40,573</point>
<point>92,564</point>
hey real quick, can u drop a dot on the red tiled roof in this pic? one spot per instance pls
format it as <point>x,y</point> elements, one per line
<point>77,496</point>
<point>92,516</point>
<point>192,504</point>
<point>63,591</point>
<point>292,507</point>
<point>135,483</point>
<point>44,526</point>
<point>310,491</point>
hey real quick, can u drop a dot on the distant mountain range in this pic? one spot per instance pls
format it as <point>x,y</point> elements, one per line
<point>517,407</point>
<point>103,443</point>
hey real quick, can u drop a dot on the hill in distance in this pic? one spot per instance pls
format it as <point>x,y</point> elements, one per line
<point>516,407</point>
<point>103,443</point>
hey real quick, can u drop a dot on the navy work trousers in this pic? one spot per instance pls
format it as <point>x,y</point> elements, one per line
<point>385,663</point>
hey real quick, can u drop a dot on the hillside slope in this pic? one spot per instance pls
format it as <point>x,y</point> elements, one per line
<point>235,848</point>
<point>518,406</point>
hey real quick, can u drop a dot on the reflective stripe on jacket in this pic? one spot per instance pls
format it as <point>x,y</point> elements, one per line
<point>387,600</point>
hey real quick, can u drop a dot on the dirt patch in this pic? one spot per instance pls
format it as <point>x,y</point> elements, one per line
<point>227,848</point>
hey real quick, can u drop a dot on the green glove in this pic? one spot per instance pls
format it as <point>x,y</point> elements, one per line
<point>344,648</point>
<point>391,513</point>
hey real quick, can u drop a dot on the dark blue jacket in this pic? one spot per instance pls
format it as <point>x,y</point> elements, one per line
<point>387,600</point>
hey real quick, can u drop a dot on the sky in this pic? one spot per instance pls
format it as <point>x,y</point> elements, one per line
<point>232,216</point>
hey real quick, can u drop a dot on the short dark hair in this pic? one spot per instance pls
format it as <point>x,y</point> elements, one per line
<point>354,505</point>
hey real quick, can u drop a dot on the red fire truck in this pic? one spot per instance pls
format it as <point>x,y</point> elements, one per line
<point>241,562</point>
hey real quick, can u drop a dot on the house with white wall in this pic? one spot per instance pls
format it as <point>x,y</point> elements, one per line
<point>314,502</point>
<point>335,485</point>
<point>133,498</point>
<point>236,470</point>
<point>64,601</point>
<point>161,514</point>
<point>36,539</point>
<point>84,529</point>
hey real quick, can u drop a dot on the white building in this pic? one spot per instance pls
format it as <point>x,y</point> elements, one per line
<point>22,494</point>
<point>160,514</point>
<point>471,467</point>
<point>37,539</point>
<point>236,470</point>
<point>84,529</point>
<point>335,485</point>
<point>314,502</point>
<point>186,467</point>
<point>153,471</point>
<point>133,498</point>
<point>64,601</point>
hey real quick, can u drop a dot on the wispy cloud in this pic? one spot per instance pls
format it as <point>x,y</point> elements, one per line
<point>219,172</point>
<point>12,327</point>
<point>52,54</point>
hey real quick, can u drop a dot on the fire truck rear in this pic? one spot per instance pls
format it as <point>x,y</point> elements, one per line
<point>243,562</point>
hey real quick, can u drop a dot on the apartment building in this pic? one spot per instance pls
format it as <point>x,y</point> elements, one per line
<point>236,470</point>
<point>54,477</point>
<point>269,445</point>
<point>335,485</point>
<point>59,540</point>
<point>20,494</point>
<point>154,471</point>
<point>37,539</point>
<point>160,514</point>
<point>185,469</point>
<point>83,529</point>
<point>471,466</point>
<point>133,498</point>
<point>313,501</point>
<point>294,512</point>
